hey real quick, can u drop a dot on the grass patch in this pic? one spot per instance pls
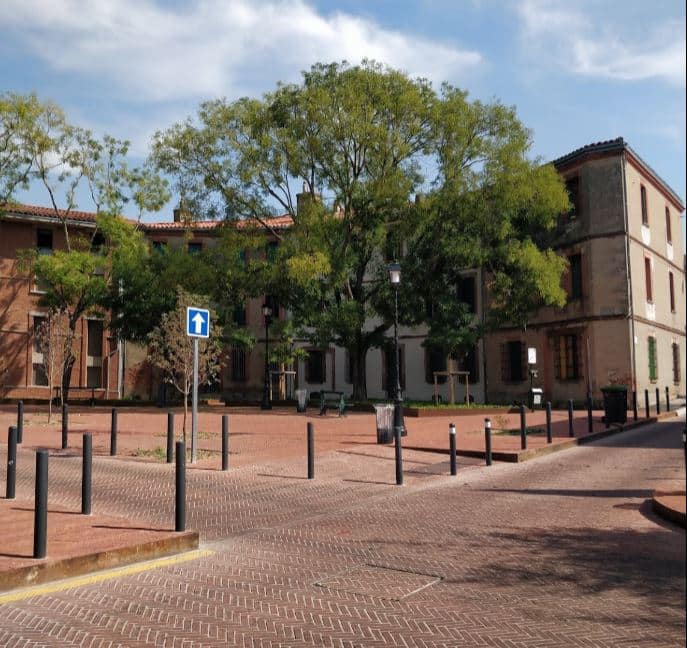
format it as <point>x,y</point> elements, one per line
<point>154,453</point>
<point>516,431</point>
<point>432,405</point>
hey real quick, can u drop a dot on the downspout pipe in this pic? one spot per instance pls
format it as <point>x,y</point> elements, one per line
<point>628,272</point>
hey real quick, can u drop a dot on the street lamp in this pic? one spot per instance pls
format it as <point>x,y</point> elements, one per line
<point>267,314</point>
<point>394,270</point>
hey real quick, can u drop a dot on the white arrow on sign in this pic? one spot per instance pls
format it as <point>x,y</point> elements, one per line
<point>198,320</point>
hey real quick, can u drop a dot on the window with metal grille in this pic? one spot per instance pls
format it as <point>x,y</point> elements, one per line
<point>435,360</point>
<point>469,362</point>
<point>676,363</point>
<point>575,261</point>
<point>315,367</point>
<point>240,315</point>
<point>566,359</point>
<point>645,211</point>
<point>466,292</point>
<point>238,363</point>
<point>653,365</point>
<point>513,361</point>
<point>195,248</point>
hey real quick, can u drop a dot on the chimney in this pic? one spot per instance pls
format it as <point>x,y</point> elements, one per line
<point>303,198</point>
<point>180,212</point>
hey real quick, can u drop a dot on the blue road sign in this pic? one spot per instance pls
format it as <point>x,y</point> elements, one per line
<point>197,322</point>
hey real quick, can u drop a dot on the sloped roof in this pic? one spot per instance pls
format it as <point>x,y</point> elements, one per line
<point>48,212</point>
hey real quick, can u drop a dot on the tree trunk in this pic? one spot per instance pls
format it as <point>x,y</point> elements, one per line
<point>67,377</point>
<point>357,356</point>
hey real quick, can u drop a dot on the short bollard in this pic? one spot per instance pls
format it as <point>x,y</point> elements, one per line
<point>225,442</point>
<point>487,441</point>
<point>590,423</point>
<point>180,500</point>
<point>667,400</point>
<point>86,474</point>
<point>113,433</point>
<point>311,451</point>
<point>452,447</point>
<point>549,435</point>
<point>634,405</point>
<point>170,437</point>
<point>11,462</point>
<point>658,401</point>
<point>20,422</point>
<point>571,427</point>
<point>523,428</point>
<point>399,457</point>
<point>65,426</point>
<point>646,402</point>
<point>40,514</point>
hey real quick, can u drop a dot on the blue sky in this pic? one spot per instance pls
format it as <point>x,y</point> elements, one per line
<point>577,72</point>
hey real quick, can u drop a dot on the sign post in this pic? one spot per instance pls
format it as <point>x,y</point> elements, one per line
<point>197,326</point>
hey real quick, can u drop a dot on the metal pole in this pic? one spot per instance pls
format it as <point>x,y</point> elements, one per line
<point>523,428</point>
<point>225,442</point>
<point>311,451</point>
<point>667,400</point>
<point>86,474</point>
<point>170,437</point>
<point>266,401</point>
<point>549,434</point>
<point>571,427</point>
<point>634,404</point>
<point>658,401</point>
<point>487,441</point>
<point>65,426</point>
<point>399,457</point>
<point>180,500</point>
<point>452,447</point>
<point>194,413</point>
<point>11,462</point>
<point>113,433</point>
<point>590,426</point>
<point>646,402</point>
<point>40,515</point>
<point>20,422</point>
<point>398,396</point>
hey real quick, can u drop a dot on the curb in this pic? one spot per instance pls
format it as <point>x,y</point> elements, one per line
<point>663,504</point>
<point>46,571</point>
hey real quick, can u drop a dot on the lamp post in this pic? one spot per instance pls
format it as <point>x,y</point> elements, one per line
<point>394,270</point>
<point>267,314</point>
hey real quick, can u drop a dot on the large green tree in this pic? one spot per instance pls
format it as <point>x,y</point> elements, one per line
<point>361,141</point>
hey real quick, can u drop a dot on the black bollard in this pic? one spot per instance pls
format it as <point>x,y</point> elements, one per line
<point>658,401</point>
<point>225,442</point>
<point>86,474</point>
<point>452,447</point>
<point>523,428</point>
<point>646,402</point>
<point>549,436</point>
<point>11,462</point>
<point>667,400</point>
<point>40,514</point>
<point>311,451</point>
<point>399,457</point>
<point>590,424</point>
<point>65,426</point>
<point>20,422</point>
<point>170,437</point>
<point>180,502</point>
<point>634,404</point>
<point>113,433</point>
<point>487,441</point>
<point>571,427</point>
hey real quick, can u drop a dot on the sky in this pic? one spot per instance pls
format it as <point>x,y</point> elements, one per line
<point>577,72</point>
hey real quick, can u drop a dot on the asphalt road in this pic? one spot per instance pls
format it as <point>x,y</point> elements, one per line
<point>560,551</point>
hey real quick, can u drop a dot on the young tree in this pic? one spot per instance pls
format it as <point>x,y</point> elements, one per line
<point>52,341</point>
<point>171,350</point>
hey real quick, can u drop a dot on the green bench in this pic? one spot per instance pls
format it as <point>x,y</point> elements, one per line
<point>332,399</point>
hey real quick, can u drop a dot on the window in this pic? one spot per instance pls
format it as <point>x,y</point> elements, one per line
<point>94,377</point>
<point>315,367</point>
<point>238,363</point>
<point>239,315</point>
<point>273,303</point>
<point>272,251</point>
<point>669,229</point>
<point>466,293</point>
<point>195,248</point>
<point>159,246</point>
<point>389,370</point>
<point>469,362</point>
<point>95,338</point>
<point>435,360</point>
<point>676,363</point>
<point>653,367</point>
<point>39,377</point>
<point>565,359</point>
<point>575,261</point>
<point>573,187</point>
<point>97,243</point>
<point>647,279</point>
<point>513,361</point>
<point>44,241</point>
<point>645,212</point>
<point>671,284</point>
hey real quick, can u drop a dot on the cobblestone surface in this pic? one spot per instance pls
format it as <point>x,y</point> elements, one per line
<point>560,551</point>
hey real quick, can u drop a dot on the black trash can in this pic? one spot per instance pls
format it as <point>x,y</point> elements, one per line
<point>385,423</point>
<point>615,404</point>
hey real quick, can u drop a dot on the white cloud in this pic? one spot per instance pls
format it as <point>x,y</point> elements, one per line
<point>211,47</point>
<point>593,44</point>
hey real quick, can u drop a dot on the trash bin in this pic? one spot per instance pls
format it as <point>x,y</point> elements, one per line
<point>302,400</point>
<point>385,423</point>
<point>615,404</point>
<point>535,397</point>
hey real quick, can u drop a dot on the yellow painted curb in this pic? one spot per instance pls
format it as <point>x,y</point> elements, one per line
<point>91,579</point>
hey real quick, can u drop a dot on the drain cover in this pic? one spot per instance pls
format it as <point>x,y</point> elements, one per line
<point>381,582</point>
